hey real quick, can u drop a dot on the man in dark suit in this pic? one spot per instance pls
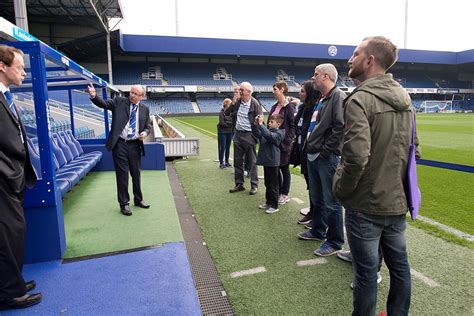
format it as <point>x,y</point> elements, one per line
<point>16,172</point>
<point>130,125</point>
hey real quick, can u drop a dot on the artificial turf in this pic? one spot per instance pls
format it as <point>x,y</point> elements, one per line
<point>443,137</point>
<point>94,224</point>
<point>240,237</point>
<point>447,137</point>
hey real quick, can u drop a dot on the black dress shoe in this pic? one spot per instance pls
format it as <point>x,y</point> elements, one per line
<point>237,188</point>
<point>21,302</point>
<point>125,209</point>
<point>142,204</point>
<point>30,285</point>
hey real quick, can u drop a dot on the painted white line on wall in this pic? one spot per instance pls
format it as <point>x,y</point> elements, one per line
<point>423,278</point>
<point>299,201</point>
<point>248,272</point>
<point>311,262</point>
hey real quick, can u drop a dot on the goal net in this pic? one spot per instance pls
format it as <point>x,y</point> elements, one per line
<point>430,106</point>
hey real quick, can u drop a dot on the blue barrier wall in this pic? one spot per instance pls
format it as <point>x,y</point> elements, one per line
<point>154,158</point>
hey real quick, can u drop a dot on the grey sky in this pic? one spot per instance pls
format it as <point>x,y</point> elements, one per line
<point>432,25</point>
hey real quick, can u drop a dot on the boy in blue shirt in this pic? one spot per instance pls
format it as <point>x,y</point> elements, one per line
<point>269,157</point>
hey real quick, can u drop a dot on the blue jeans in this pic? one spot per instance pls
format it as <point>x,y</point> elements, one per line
<point>365,233</point>
<point>223,143</point>
<point>327,216</point>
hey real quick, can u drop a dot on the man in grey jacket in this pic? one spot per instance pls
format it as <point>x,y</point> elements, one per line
<point>370,181</point>
<point>244,112</point>
<point>323,146</point>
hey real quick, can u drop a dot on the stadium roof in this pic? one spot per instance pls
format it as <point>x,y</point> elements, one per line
<point>212,46</point>
<point>66,11</point>
<point>69,13</point>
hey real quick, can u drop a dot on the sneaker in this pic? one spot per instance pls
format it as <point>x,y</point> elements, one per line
<point>325,250</point>
<point>345,255</point>
<point>253,191</point>
<point>307,235</point>
<point>272,210</point>
<point>227,165</point>
<point>222,166</point>
<point>264,206</point>
<point>309,225</point>
<point>246,173</point>
<point>237,188</point>
<point>306,220</point>
<point>379,279</point>
<point>304,211</point>
<point>283,199</point>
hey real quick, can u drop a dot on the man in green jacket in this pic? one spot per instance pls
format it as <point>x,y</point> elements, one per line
<point>370,180</point>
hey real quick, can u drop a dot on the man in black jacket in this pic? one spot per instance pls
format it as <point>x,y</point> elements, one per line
<point>323,146</point>
<point>130,125</point>
<point>16,172</point>
<point>244,112</point>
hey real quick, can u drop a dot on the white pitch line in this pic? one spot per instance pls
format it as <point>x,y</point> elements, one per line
<point>311,262</point>
<point>299,201</point>
<point>423,278</point>
<point>248,272</point>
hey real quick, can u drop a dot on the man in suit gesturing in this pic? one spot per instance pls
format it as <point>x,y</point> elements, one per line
<point>16,172</point>
<point>130,125</point>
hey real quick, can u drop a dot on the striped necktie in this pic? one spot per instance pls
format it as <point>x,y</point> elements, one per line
<point>133,122</point>
<point>9,98</point>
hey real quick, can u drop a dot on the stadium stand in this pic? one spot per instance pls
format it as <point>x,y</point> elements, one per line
<point>209,105</point>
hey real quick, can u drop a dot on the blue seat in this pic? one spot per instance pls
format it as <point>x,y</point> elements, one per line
<point>74,141</point>
<point>63,184</point>
<point>92,158</point>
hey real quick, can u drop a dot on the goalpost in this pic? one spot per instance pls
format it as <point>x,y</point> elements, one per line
<point>431,106</point>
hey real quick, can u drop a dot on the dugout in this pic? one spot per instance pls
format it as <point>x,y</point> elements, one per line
<point>51,73</point>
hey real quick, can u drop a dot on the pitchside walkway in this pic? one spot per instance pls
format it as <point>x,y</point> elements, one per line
<point>116,265</point>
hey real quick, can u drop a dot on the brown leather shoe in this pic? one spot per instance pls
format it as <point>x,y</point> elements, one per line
<point>142,204</point>
<point>237,188</point>
<point>21,302</point>
<point>125,209</point>
<point>30,285</point>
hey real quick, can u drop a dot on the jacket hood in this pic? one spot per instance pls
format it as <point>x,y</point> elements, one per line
<point>388,90</point>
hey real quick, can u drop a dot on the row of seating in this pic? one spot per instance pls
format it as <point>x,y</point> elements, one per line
<point>71,163</point>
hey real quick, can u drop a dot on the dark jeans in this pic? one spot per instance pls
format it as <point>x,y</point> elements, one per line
<point>327,216</point>
<point>311,205</point>
<point>284,179</point>
<point>365,233</point>
<point>271,186</point>
<point>223,143</point>
<point>245,146</point>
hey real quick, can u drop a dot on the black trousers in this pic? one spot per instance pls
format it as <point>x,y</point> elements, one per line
<point>245,146</point>
<point>284,179</point>
<point>271,186</point>
<point>127,158</point>
<point>12,242</point>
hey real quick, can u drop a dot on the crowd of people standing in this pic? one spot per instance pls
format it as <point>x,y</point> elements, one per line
<point>353,153</point>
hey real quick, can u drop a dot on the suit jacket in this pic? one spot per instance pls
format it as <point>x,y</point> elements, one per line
<point>15,165</point>
<point>120,108</point>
